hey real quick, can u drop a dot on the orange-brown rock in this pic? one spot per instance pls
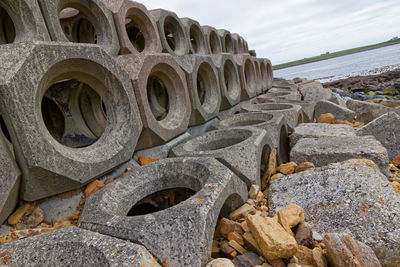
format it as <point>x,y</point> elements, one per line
<point>226,226</point>
<point>305,256</point>
<point>93,187</point>
<point>319,259</point>
<point>236,237</point>
<point>221,262</point>
<point>294,214</point>
<point>326,118</point>
<point>144,161</point>
<point>396,161</point>
<point>287,168</point>
<point>36,218</point>
<point>25,209</point>
<point>304,166</point>
<point>270,169</point>
<point>276,177</point>
<point>241,212</point>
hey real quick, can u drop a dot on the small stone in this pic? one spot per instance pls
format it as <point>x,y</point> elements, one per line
<point>271,168</point>
<point>287,168</point>
<point>249,259</point>
<point>260,197</point>
<point>396,187</point>
<point>93,187</point>
<point>326,118</point>
<point>222,262</point>
<point>277,176</point>
<point>316,236</point>
<point>23,210</point>
<point>294,214</point>
<point>227,250</point>
<point>245,227</point>
<point>304,256</point>
<point>144,161</point>
<point>396,161</point>
<point>237,247</point>
<point>241,212</point>
<point>393,168</point>
<point>277,263</point>
<point>251,202</point>
<point>251,243</point>
<point>294,259</point>
<point>284,223</point>
<point>226,226</point>
<point>304,234</point>
<point>236,237</point>
<point>304,166</point>
<point>36,218</point>
<point>254,190</point>
<point>343,122</point>
<point>294,265</point>
<point>318,258</point>
<point>63,224</point>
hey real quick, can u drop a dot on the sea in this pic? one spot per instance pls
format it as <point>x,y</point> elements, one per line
<point>364,63</point>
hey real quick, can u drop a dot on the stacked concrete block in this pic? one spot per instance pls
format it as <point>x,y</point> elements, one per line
<point>198,43</point>
<point>248,76</point>
<point>227,41</point>
<point>308,107</point>
<point>213,39</point>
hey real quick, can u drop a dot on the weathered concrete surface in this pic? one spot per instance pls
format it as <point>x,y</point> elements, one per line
<point>198,43</point>
<point>187,228</point>
<point>386,130</point>
<point>240,148</point>
<point>314,91</point>
<point>325,150</point>
<point>213,39</point>
<point>49,167</point>
<point>308,107</point>
<point>247,76</point>
<point>267,73</point>
<point>366,111</point>
<point>280,94</point>
<point>346,197</point>
<point>161,90</point>
<point>75,247</point>
<point>227,41</point>
<point>341,113</point>
<point>317,130</point>
<point>238,42</point>
<point>104,33</point>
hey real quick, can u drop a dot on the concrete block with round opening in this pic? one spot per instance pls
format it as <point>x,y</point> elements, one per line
<point>86,21</point>
<point>161,92</point>
<point>204,88</point>
<point>247,76</point>
<point>308,107</point>
<point>198,43</point>
<point>171,207</point>
<point>76,247</point>
<point>259,78</point>
<point>172,32</point>
<point>136,28</point>
<point>227,41</point>
<point>213,39</point>
<point>238,43</point>
<point>239,148</point>
<point>50,167</point>
<point>279,94</point>
<point>266,71</point>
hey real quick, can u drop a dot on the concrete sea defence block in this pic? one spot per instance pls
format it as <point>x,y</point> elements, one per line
<point>308,107</point>
<point>367,111</point>
<point>340,112</point>
<point>351,197</point>
<point>185,195</point>
<point>269,73</point>
<point>227,41</point>
<point>203,85</point>
<point>213,39</point>
<point>198,43</point>
<point>21,21</point>
<point>49,167</point>
<point>325,150</point>
<point>314,91</point>
<point>87,21</point>
<point>259,78</point>
<point>75,247</point>
<point>238,43</point>
<point>172,32</point>
<point>242,149</point>
<point>161,92</point>
<point>279,94</point>
<point>247,76</point>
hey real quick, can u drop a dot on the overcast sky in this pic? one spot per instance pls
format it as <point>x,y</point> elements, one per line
<point>286,30</point>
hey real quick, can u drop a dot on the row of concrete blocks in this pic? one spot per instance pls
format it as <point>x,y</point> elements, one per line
<point>118,26</point>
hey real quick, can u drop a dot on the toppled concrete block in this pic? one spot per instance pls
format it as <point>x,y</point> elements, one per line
<point>345,251</point>
<point>198,43</point>
<point>22,21</point>
<point>240,148</point>
<point>93,24</point>
<point>247,76</point>
<point>308,107</point>
<point>161,91</point>
<point>367,111</point>
<point>49,167</point>
<point>203,85</point>
<point>75,247</point>
<point>227,41</point>
<point>352,197</point>
<point>314,91</point>
<point>341,113</point>
<point>325,150</point>
<point>213,39</point>
<point>280,94</point>
<point>182,218</point>
<point>317,130</point>
<point>338,100</point>
<point>386,130</point>
<point>172,32</point>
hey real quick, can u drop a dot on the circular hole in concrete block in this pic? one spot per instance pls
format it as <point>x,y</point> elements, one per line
<point>174,34</point>
<point>270,76</point>
<point>264,159</point>
<point>157,95</point>
<point>283,145</point>
<point>300,119</point>
<point>207,85</point>
<point>7,28</point>
<point>250,75</point>
<point>264,75</point>
<point>215,45</point>
<point>231,78</point>
<point>161,200</point>
<point>77,26</point>
<point>139,29</point>
<point>4,129</point>
<point>228,44</point>
<point>195,38</point>
<point>247,119</point>
<point>273,107</point>
<point>53,118</point>
<point>136,37</point>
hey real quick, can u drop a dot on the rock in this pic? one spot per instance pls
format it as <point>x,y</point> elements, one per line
<point>276,176</point>
<point>314,91</point>
<point>366,111</point>
<point>337,99</point>
<point>340,113</point>
<point>273,240</point>
<point>251,243</point>
<point>325,150</point>
<point>23,210</point>
<point>249,259</point>
<point>36,218</point>
<point>352,197</point>
<point>277,263</point>
<point>345,251</point>
<point>293,214</point>
<point>282,220</point>
<point>316,236</point>
<point>254,189</point>
<point>236,237</point>
<point>222,262</point>
<point>304,234</point>
<point>144,161</point>
<point>237,247</point>
<point>226,226</point>
<point>396,161</point>
<point>304,256</point>
<point>287,168</point>
<point>318,258</point>
<point>326,118</point>
<point>93,187</point>
<point>227,250</point>
<point>386,130</point>
<point>241,212</point>
<point>271,168</point>
<point>304,166</point>
<point>294,265</point>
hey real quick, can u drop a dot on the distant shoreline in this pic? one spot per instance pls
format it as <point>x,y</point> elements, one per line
<point>335,54</point>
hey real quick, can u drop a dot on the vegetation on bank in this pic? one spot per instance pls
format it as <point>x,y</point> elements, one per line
<point>327,55</point>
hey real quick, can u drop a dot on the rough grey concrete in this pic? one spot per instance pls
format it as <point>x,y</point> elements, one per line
<point>75,247</point>
<point>386,130</point>
<point>238,43</point>
<point>182,234</point>
<point>247,75</point>
<point>213,39</point>
<point>308,107</point>
<point>280,94</point>
<point>240,148</point>
<point>337,99</point>
<point>325,150</point>
<point>166,111</point>
<point>367,111</point>
<point>198,43</point>
<point>227,41</point>
<point>317,130</point>
<point>201,129</point>
<point>27,20</point>
<point>10,178</point>
<point>49,167</point>
<point>266,71</point>
<point>171,31</point>
<point>340,112</point>
<point>259,79</point>
<point>91,10</point>
<point>347,197</point>
<point>203,85</point>
<point>314,91</point>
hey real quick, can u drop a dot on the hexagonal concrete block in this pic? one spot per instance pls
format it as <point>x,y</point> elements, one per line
<point>48,166</point>
<point>242,149</point>
<point>247,75</point>
<point>259,78</point>
<point>161,92</point>
<point>136,28</point>
<point>325,150</point>
<point>198,43</point>
<point>173,204</point>
<point>266,73</point>
<point>238,43</point>
<point>204,87</point>
<point>308,107</point>
<point>273,124</point>
<point>367,111</point>
<point>75,247</point>
<point>213,39</point>
<point>172,32</point>
<point>86,21</point>
<point>21,21</point>
<point>341,113</point>
<point>279,94</point>
<point>227,41</point>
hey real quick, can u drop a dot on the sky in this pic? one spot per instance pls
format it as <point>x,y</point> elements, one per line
<point>286,30</point>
